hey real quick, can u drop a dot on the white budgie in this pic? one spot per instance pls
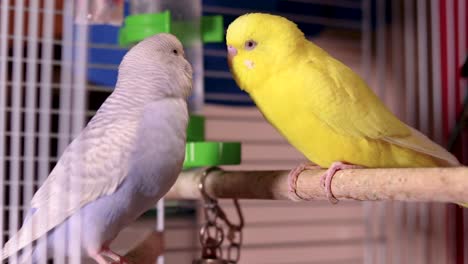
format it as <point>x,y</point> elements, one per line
<point>124,161</point>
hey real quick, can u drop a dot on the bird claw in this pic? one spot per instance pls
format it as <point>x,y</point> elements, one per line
<point>322,181</point>
<point>121,261</point>
<point>325,182</point>
<point>326,179</point>
<point>293,177</point>
<point>114,257</point>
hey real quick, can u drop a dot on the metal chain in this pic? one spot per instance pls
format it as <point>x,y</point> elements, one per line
<point>235,235</point>
<point>212,233</point>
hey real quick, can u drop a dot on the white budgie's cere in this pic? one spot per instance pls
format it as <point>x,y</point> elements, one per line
<point>124,161</point>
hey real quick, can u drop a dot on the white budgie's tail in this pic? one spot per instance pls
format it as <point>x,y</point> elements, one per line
<point>26,256</point>
<point>37,225</point>
<point>422,144</point>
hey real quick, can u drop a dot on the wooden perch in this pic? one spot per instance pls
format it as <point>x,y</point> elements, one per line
<point>417,184</point>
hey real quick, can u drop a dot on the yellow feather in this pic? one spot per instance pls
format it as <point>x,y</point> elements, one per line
<point>320,105</point>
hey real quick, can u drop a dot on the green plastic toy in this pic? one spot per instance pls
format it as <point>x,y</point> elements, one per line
<point>202,154</point>
<point>141,26</point>
<point>196,128</point>
<point>212,29</point>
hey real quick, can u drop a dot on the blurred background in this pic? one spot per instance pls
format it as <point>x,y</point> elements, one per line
<point>55,71</point>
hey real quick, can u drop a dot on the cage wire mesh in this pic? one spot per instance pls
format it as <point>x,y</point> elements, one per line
<point>416,50</point>
<point>43,91</point>
<point>408,51</point>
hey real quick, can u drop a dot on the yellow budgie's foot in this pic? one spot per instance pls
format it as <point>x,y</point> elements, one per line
<point>294,175</point>
<point>328,176</point>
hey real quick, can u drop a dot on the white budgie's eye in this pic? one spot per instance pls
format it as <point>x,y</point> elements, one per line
<point>175,52</point>
<point>250,44</point>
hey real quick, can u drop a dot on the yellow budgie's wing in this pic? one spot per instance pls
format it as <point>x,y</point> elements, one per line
<point>345,103</point>
<point>342,100</point>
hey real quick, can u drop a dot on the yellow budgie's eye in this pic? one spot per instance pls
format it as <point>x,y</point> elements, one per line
<point>250,44</point>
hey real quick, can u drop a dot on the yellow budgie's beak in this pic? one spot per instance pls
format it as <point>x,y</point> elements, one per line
<point>231,52</point>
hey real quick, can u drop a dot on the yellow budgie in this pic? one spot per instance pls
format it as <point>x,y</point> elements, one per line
<point>321,106</point>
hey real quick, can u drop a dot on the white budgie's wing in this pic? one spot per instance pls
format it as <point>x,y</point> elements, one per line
<point>94,164</point>
<point>422,144</point>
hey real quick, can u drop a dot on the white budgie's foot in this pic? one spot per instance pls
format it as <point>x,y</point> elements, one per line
<point>106,252</point>
<point>328,176</point>
<point>294,175</point>
<point>100,259</point>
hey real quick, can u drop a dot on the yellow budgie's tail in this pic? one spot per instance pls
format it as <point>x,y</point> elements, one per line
<point>418,142</point>
<point>442,156</point>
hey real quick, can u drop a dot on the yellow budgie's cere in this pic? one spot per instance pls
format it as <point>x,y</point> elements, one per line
<point>321,106</point>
